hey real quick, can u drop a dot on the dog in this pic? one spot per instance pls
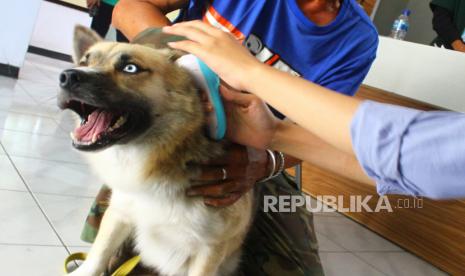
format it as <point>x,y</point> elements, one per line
<point>141,125</point>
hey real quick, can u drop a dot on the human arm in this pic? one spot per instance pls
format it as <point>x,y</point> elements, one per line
<point>133,16</point>
<point>444,26</point>
<point>244,72</point>
<point>411,152</point>
<point>398,153</point>
<point>251,123</point>
<point>405,151</point>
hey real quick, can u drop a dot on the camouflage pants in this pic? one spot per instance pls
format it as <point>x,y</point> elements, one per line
<point>281,244</point>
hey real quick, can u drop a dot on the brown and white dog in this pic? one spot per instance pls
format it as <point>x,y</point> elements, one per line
<point>142,122</point>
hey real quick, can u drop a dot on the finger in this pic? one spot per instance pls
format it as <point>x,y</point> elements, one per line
<point>210,173</point>
<point>222,202</point>
<point>214,190</point>
<point>190,32</point>
<point>197,24</point>
<point>187,46</point>
<point>235,96</point>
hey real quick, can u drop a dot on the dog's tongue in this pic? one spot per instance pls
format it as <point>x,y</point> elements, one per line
<point>98,122</point>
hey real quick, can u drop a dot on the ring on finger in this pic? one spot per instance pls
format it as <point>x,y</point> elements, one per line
<point>225,173</point>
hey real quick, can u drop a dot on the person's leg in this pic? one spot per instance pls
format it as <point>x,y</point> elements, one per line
<point>101,22</point>
<point>94,218</point>
<point>281,243</point>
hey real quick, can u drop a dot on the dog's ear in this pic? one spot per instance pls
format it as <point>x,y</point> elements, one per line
<point>84,38</point>
<point>155,38</point>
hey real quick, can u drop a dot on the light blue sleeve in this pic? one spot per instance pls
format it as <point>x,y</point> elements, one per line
<point>411,152</point>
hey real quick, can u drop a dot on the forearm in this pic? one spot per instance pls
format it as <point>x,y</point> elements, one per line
<point>298,142</point>
<point>313,107</point>
<point>133,16</point>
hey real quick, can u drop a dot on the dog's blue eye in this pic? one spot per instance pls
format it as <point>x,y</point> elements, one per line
<point>131,68</point>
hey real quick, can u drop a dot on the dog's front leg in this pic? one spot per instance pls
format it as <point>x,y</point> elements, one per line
<point>112,233</point>
<point>207,261</point>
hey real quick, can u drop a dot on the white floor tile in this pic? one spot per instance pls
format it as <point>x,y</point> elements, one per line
<point>67,215</point>
<point>6,82</point>
<point>10,179</point>
<point>21,221</point>
<point>30,123</point>
<point>321,209</point>
<point>352,236</point>
<point>30,72</point>
<point>37,146</point>
<point>32,260</point>
<point>8,86</point>
<point>327,245</point>
<point>400,264</point>
<point>15,96</point>
<point>21,102</point>
<point>41,92</point>
<point>346,264</point>
<point>67,120</point>
<point>58,177</point>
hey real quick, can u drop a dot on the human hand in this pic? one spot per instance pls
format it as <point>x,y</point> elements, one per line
<point>91,3</point>
<point>250,121</point>
<point>243,167</point>
<point>218,49</point>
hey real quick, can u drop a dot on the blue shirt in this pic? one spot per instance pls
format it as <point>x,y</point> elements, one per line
<point>337,56</point>
<point>411,152</point>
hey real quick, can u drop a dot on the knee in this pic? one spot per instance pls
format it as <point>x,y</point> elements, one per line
<point>118,12</point>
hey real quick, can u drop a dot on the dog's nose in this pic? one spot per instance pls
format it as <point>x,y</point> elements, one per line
<point>68,78</point>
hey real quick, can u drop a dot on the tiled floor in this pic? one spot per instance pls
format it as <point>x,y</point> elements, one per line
<point>46,190</point>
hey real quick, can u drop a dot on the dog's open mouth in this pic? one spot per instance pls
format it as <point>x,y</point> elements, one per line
<point>99,127</point>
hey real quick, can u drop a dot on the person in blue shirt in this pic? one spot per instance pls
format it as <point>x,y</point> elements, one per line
<point>329,42</point>
<point>402,150</point>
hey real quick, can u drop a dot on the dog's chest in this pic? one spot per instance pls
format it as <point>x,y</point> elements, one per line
<point>169,227</point>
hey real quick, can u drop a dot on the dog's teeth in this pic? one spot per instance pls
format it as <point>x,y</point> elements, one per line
<point>120,122</point>
<point>71,134</point>
<point>94,138</point>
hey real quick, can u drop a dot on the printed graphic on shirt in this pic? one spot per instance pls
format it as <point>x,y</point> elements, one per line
<point>215,19</point>
<point>253,42</point>
<point>265,55</point>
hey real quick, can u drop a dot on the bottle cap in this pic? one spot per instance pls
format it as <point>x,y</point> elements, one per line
<point>406,12</point>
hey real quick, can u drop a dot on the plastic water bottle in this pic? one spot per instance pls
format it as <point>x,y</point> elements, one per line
<point>400,26</point>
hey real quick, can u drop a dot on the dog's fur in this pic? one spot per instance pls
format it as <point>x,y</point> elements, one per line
<point>147,170</point>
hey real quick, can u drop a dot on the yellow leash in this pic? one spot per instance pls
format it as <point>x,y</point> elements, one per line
<point>123,270</point>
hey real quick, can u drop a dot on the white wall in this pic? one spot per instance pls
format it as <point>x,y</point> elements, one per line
<point>17,18</point>
<point>54,27</point>
<point>425,73</point>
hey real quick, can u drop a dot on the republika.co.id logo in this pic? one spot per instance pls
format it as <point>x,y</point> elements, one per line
<point>340,203</point>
